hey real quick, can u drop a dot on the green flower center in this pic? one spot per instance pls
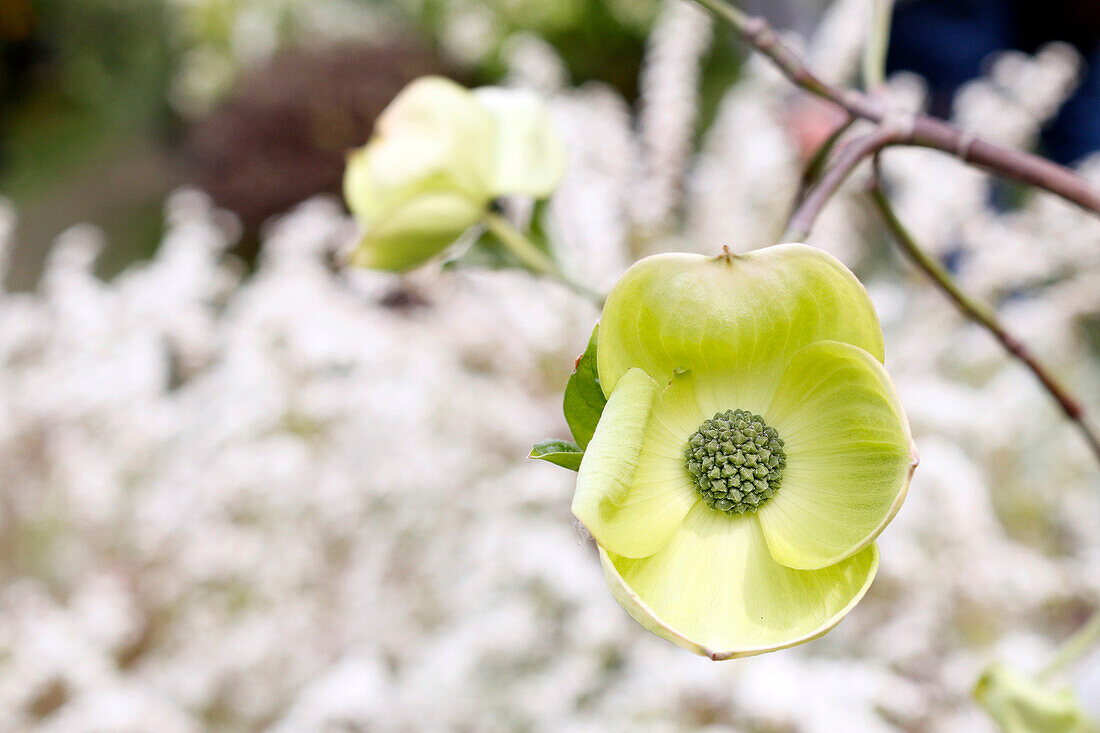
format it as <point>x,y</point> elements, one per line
<point>736,461</point>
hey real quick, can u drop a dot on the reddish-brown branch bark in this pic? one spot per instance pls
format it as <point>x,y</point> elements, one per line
<point>923,131</point>
<point>849,157</point>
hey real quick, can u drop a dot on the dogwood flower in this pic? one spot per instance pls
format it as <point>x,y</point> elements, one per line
<point>751,449</point>
<point>439,156</point>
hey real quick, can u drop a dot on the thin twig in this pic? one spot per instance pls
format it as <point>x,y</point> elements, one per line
<point>812,172</point>
<point>849,157</point>
<point>1073,648</point>
<point>1087,636</point>
<point>924,131</point>
<point>982,315</point>
<point>533,258</point>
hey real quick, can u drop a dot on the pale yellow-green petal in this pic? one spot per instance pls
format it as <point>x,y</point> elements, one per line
<point>733,321</point>
<point>632,488</point>
<point>849,456</point>
<point>529,155</point>
<point>415,232</point>
<point>434,138</point>
<point>358,183</point>
<point>714,589</point>
<point>435,125</point>
<point>1021,704</point>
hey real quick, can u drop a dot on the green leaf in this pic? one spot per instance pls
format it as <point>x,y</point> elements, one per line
<point>584,397</point>
<point>583,405</point>
<point>486,251</point>
<point>559,452</point>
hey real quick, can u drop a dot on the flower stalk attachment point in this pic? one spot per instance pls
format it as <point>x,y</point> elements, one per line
<point>751,448</point>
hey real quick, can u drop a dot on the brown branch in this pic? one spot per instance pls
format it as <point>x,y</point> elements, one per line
<point>924,131</point>
<point>849,157</point>
<point>812,172</point>
<point>981,314</point>
<point>1016,165</point>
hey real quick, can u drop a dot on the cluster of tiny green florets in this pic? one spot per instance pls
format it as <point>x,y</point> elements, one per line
<point>736,460</point>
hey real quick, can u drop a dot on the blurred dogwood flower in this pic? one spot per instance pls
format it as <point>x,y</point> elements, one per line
<point>439,156</point>
<point>751,449</point>
<point>1021,704</point>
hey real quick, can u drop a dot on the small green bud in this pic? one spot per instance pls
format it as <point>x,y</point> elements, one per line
<point>1021,704</point>
<point>439,155</point>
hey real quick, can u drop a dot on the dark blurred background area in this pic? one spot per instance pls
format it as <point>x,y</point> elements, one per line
<point>281,136</point>
<point>84,121</point>
<point>107,105</point>
<point>949,41</point>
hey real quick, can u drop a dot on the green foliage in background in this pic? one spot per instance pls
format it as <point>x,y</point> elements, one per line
<point>98,72</point>
<point>85,121</point>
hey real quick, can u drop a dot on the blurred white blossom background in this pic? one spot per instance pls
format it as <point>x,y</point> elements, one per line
<point>299,500</point>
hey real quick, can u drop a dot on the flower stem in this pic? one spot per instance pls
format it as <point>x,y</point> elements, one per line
<point>874,55</point>
<point>847,160</point>
<point>923,131</point>
<point>533,258</point>
<point>1089,634</point>
<point>1074,647</point>
<point>814,168</point>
